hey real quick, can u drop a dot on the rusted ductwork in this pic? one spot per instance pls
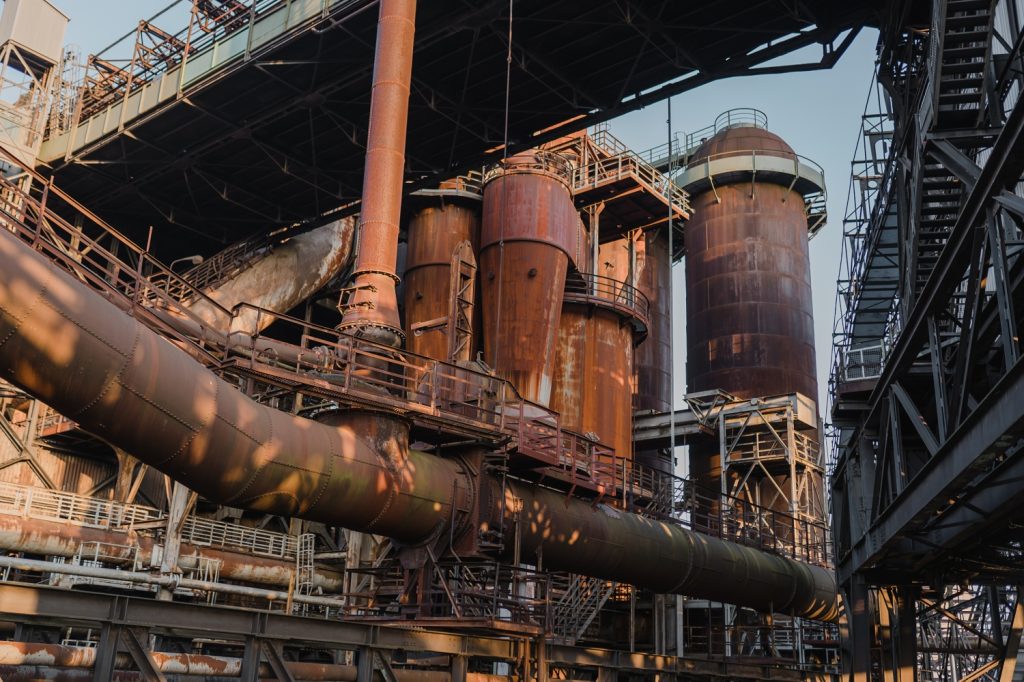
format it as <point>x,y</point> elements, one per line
<point>70,347</point>
<point>280,280</point>
<point>372,308</point>
<point>117,378</point>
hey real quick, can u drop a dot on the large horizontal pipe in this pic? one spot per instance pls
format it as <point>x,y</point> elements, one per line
<point>571,535</point>
<point>52,538</point>
<point>20,655</point>
<point>69,347</point>
<point>73,349</point>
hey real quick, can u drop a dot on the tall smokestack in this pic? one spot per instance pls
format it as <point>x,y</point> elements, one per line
<point>372,309</point>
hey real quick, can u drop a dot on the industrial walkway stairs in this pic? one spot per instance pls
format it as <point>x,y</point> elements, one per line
<point>963,57</point>
<point>960,91</point>
<point>576,604</point>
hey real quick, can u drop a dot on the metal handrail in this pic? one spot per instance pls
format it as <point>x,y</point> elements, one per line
<point>58,505</point>
<point>625,164</point>
<point>534,161</point>
<point>339,367</point>
<point>739,153</point>
<point>741,116</point>
<point>590,288</point>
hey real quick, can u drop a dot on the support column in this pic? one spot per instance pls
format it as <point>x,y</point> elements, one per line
<point>459,668</point>
<point>177,510</point>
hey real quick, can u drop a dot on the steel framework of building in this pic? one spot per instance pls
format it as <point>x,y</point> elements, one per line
<point>928,382</point>
<point>927,409</point>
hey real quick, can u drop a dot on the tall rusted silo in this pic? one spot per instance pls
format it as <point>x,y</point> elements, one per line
<point>653,357</point>
<point>603,318</point>
<point>442,219</point>
<point>749,321</point>
<point>530,231</point>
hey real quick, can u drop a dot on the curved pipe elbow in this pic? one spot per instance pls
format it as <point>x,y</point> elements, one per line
<point>70,347</point>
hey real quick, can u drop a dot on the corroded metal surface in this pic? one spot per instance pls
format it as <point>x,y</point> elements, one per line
<point>749,319</point>
<point>530,230</point>
<point>29,660</point>
<point>72,348</point>
<point>53,538</point>
<point>578,537</point>
<point>283,278</point>
<point>373,307</point>
<point>593,371</point>
<point>653,355</point>
<point>120,380</point>
<point>434,232</point>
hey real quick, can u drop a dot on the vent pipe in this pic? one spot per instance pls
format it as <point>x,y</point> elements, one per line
<point>371,310</point>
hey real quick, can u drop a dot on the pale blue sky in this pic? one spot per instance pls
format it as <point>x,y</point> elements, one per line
<point>818,113</point>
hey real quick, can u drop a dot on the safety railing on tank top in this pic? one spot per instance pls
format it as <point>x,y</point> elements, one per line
<point>533,161</point>
<point>587,287</point>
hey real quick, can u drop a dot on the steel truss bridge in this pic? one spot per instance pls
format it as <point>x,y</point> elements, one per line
<point>928,382</point>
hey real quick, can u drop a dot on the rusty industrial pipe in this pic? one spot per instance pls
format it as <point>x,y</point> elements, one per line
<point>117,378</point>
<point>44,537</point>
<point>72,348</point>
<point>281,279</point>
<point>20,658</point>
<point>372,308</point>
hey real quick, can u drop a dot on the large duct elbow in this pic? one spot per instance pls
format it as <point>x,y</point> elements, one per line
<point>71,348</point>
<point>280,280</point>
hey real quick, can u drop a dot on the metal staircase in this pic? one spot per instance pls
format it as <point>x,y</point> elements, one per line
<point>963,51</point>
<point>579,603</point>
<point>963,55</point>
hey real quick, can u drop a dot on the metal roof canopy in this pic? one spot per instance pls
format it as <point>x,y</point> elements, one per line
<point>276,136</point>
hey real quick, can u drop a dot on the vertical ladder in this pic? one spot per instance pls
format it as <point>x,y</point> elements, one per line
<point>460,311</point>
<point>304,563</point>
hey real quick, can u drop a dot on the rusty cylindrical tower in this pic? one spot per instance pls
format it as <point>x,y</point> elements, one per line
<point>530,231</point>
<point>603,318</point>
<point>749,321</point>
<point>443,219</point>
<point>653,361</point>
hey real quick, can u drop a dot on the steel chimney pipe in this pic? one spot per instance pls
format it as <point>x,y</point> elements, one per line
<point>372,308</point>
<point>72,348</point>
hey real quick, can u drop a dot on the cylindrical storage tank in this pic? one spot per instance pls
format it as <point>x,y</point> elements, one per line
<point>437,227</point>
<point>593,372</point>
<point>529,233</point>
<point>749,321</point>
<point>653,357</point>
